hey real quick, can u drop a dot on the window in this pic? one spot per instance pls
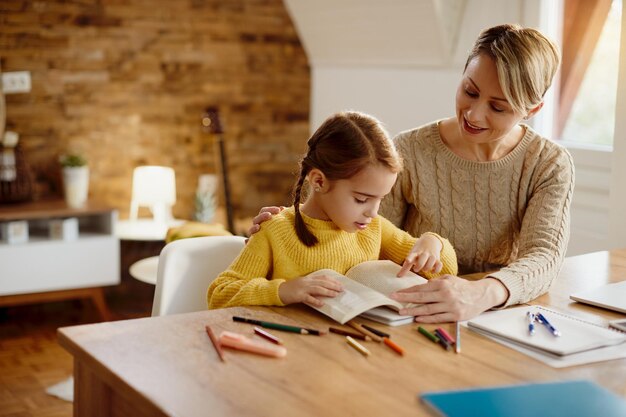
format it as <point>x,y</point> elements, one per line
<point>589,83</point>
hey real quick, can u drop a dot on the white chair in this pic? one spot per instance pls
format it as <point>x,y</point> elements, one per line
<point>153,187</point>
<point>187,267</point>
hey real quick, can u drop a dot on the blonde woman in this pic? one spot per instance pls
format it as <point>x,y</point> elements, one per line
<point>493,186</point>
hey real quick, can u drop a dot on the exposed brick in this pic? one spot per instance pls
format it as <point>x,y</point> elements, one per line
<point>126,83</point>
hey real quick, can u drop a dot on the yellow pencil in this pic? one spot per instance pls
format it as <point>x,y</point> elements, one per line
<point>357,346</point>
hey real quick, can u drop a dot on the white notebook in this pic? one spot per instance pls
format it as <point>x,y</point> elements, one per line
<point>576,335</point>
<point>610,296</point>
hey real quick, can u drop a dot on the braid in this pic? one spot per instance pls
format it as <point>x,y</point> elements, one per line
<point>304,234</point>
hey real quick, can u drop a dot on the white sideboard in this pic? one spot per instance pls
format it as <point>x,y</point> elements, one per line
<point>44,268</point>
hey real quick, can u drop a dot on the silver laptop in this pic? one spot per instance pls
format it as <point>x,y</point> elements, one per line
<point>609,296</point>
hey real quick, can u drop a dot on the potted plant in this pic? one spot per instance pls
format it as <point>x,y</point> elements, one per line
<point>75,179</point>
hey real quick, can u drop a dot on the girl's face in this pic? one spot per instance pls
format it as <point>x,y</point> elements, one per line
<point>483,114</point>
<point>352,203</point>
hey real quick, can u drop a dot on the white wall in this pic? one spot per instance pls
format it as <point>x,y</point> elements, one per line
<point>401,98</point>
<point>404,81</point>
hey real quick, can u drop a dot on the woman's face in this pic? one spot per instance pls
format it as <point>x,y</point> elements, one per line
<point>482,112</point>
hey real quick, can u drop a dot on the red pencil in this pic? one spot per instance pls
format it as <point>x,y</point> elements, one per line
<point>215,342</point>
<point>267,336</point>
<point>445,335</point>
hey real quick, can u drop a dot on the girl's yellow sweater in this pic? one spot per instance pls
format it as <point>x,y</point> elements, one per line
<point>275,254</point>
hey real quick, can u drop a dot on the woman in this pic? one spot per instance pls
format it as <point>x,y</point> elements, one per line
<point>496,189</point>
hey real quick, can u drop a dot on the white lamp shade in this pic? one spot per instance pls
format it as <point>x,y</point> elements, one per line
<point>154,185</point>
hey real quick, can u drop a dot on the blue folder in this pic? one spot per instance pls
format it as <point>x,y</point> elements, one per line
<point>553,399</point>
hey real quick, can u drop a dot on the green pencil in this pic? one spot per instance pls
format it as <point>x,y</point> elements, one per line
<point>277,326</point>
<point>428,334</point>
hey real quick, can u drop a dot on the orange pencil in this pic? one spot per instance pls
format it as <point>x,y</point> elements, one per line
<point>393,346</point>
<point>215,342</point>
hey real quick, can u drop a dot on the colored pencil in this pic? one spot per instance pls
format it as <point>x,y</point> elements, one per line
<point>355,335</point>
<point>363,330</point>
<point>428,334</point>
<point>457,342</point>
<point>278,326</point>
<point>393,346</point>
<point>215,342</point>
<point>442,332</point>
<point>267,336</point>
<point>442,340</point>
<point>362,350</point>
<point>376,331</point>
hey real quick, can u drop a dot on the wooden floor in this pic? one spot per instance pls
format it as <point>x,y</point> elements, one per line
<point>30,357</point>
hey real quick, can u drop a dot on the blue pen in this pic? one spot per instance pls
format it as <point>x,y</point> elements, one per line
<point>531,322</point>
<point>546,323</point>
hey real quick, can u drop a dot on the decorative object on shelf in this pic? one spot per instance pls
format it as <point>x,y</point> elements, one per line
<point>211,124</point>
<point>16,178</point>
<point>75,179</point>
<point>63,229</point>
<point>14,231</point>
<point>205,202</point>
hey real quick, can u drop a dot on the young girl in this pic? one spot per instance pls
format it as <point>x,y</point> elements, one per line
<point>350,165</point>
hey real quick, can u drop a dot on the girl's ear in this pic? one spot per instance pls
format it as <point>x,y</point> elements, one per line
<point>317,180</point>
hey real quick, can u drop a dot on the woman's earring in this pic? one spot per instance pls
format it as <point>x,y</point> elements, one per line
<point>317,189</point>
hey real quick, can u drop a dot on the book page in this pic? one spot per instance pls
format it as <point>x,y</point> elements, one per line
<point>355,299</point>
<point>381,276</point>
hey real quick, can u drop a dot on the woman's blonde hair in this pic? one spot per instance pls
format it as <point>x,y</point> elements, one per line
<point>341,147</point>
<point>526,61</point>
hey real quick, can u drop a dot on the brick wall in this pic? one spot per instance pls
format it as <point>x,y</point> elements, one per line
<point>126,82</point>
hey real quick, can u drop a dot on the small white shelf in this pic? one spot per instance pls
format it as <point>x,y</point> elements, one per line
<point>44,264</point>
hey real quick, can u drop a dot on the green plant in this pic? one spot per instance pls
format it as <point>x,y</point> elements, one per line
<point>72,161</point>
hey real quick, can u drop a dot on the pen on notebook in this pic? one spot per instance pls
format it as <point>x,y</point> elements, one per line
<point>393,346</point>
<point>277,326</point>
<point>215,342</point>
<point>543,320</point>
<point>428,334</point>
<point>363,330</point>
<point>376,331</point>
<point>355,335</point>
<point>362,350</point>
<point>267,336</point>
<point>457,342</point>
<point>531,322</point>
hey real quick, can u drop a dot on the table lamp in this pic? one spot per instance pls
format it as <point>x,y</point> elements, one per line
<point>155,188</point>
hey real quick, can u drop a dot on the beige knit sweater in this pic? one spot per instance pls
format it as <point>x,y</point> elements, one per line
<point>510,216</point>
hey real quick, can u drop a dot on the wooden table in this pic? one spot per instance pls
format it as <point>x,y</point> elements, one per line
<point>166,366</point>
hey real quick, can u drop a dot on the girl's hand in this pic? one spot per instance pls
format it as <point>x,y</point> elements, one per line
<point>307,289</point>
<point>451,298</point>
<point>265,214</point>
<point>424,256</point>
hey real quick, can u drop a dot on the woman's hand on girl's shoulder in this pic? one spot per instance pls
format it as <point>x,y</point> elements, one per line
<point>265,214</point>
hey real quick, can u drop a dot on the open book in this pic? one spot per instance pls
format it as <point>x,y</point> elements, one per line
<point>367,286</point>
<point>577,335</point>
